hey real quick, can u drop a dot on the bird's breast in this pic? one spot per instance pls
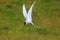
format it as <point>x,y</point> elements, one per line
<point>28,21</point>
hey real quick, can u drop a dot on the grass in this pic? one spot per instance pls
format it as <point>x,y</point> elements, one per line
<point>46,14</point>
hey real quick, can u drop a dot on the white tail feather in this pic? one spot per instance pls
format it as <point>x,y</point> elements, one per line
<point>35,25</point>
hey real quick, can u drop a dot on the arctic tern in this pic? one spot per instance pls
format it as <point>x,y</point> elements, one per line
<point>28,18</point>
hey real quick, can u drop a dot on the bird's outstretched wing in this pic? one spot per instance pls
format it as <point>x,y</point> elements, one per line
<point>30,11</point>
<point>24,11</point>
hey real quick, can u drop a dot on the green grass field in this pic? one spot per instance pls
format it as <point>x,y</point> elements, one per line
<point>46,14</point>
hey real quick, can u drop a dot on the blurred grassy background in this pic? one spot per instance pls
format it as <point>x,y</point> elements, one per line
<point>46,14</point>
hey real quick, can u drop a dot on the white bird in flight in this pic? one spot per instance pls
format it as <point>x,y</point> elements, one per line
<point>28,18</point>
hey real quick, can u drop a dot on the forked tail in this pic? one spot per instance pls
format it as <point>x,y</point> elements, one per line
<point>35,25</point>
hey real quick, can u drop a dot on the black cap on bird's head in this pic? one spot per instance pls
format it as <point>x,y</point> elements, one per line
<point>24,23</point>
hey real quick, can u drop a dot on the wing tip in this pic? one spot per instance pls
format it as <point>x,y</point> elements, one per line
<point>24,4</point>
<point>34,2</point>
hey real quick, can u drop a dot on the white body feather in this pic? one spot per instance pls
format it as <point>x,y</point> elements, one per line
<point>28,14</point>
